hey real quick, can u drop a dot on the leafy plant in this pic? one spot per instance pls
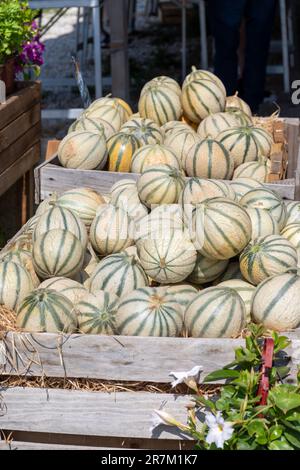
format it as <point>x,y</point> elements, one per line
<point>15,27</point>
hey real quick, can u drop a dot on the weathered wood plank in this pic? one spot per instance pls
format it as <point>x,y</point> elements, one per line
<point>28,95</point>
<point>124,414</point>
<point>50,177</point>
<point>19,168</point>
<point>15,445</point>
<point>292,137</point>
<point>14,151</point>
<point>18,127</point>
<point>118,358</point>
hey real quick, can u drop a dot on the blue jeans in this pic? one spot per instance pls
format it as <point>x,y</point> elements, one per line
<point>226,17</point>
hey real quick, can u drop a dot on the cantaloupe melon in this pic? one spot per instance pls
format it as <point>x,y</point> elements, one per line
<point>181,142</point>
<point>72,290</point>
<point>242,186</point>
<point>96,313</point>
<point>263,223</point>
<point>207,270</point>
<point>213,124</point>
<point>200,98</point>
<point>146,131</point>
<point>153,155</point>
<point>235,101</point>
<point>160,103</point>
<point>121,146</point>
<point>245,291</point>
<point>199,74</point>
<point>15,284</point>
<point>293,212</point>
<point>83,149</point>
<point>83,202</point>
<point>258,170</point>
<point>164,81</point>
<point>266,199</point>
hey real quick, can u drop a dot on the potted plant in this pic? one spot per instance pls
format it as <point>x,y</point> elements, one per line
<point>19,41</point>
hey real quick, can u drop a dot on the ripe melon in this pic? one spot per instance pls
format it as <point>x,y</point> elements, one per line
<point>22,256</point>
<point>72,290</point>
<point>149,312</point>
<point>200,98</point>
<point>15,284</point>
<point>183,294</point>
<point>164,81</point>
<point>258,170</point>
<point>263,223</point>
<point>124,194</point>
<point>160,184</point>
<point>213,124</point>
<point>153,155</point>
<point>242,186</point>
<point>111,230</point>
<point>266,257</point>
<point>198,74</point>
<point>231,272</point>
<point>266,199</point>
<point>113,114</point>
<point>57,253</point>
<point>121,147</point>
<point>216,312</point>
<point>245,291</point>
<point>168,260</point>
<point>181,142</point>
<point>84,150</point>
<point>96,313</point>
<point>292,233</point>
<point>246,144</point>
<point>160,103</point>
<point>83,202</point>
<point>94,125</point>
<point>235,101</point>
<point>276,302</point>
<point>61,218</point>
<point>146,131</point>
<point>118,274</point>
<point>242,118</point>
<point>46,204</point>
<point>209,159</point>
<point>221,228</point>
<point>127,111</point>
<point>207,270</point>
<point>293,213</point>
<point>46,311</point>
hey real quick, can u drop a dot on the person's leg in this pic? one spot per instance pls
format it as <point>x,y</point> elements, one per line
<point>259,24</point>
<point>226,17</point>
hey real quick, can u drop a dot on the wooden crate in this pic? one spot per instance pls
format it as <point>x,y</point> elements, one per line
<point>51,177</point>
<point>58,418</point>
<point>20,128</point>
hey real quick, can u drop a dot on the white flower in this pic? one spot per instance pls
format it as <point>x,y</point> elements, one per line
<point>219,430</point>
<point>162,417</point>
<point>190,378</point>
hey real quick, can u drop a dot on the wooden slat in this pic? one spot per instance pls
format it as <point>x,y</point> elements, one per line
<point>50,177</point>
<point>18,127</point>
<point>19,147</point>
<point>127,358</point>
<point>124,414</point>
<point>19,168</point>
<point>28,95</point>
<point>292,136</point>
<point>15,445</point>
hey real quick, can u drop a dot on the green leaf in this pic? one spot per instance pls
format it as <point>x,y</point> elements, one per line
<point>293,438</point>
<point>285,398</point>
<point>244,445</point>
<point>257,428</point>
<point>203,401</point>
<point>280,444</point>
<point>275,432</point>
<point>221,375</point>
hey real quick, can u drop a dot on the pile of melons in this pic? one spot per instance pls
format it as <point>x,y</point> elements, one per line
<point>195,129</point>
<point>157,257</point>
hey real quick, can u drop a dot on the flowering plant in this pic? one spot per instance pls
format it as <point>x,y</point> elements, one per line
<point>234,419</point>
<point>31,57</point>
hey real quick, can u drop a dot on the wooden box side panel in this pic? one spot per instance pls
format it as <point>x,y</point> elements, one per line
<point>28,95</point>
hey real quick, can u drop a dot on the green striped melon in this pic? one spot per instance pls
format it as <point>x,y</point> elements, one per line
<point>149,312</point>
<point>246,144</point>
<point>72,290</point>
<point>245,290</point>
<point>96,313</point>
<point>181,142</point>
<point>163,81</point>
<point>160,184</point>
<point>242,118</point>
<point>183,294</point>
<point>15,284</point>
<point>111,230</point>
<point>198,74</point>
<point>213,124</point>
<point>160,103</point>
<point>235,101</point>
<point>293,213</point>
<point>266,199</point>
<point>225,186</point>
<point>119,274</point>
<point>168,260</point>
<point>258,170</point>
<point>46,311</point>
<point>263,223</point>
<point>242,186</point>
<point>46,204</point>
<point>153,155</point>
<point>121,147</point>
<point>145,130</point>
<point>200,98</point>
<point>124,194</point>
<point>266,257</point>
<point>23,257</point>
<point>207,270</point>
<point>84,150</point>
<point>221,228</point>
<point>216,312</point>
<point>57,253</point>
<point>276,302</point>
<point>83,202</point>
<point>209,159</point>
<point>94,125</point>
<point>160,223</point>
<point>292,233</point>
<point>112,114</point>
<point>171,127</point>
<point>232,272</point>
<point>61,218</point>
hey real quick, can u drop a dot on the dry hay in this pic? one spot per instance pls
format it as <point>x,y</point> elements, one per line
<point>266,123</point>
<point>7,321</point>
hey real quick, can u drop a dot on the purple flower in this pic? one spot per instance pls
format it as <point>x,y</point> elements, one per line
<point>32,51</point>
